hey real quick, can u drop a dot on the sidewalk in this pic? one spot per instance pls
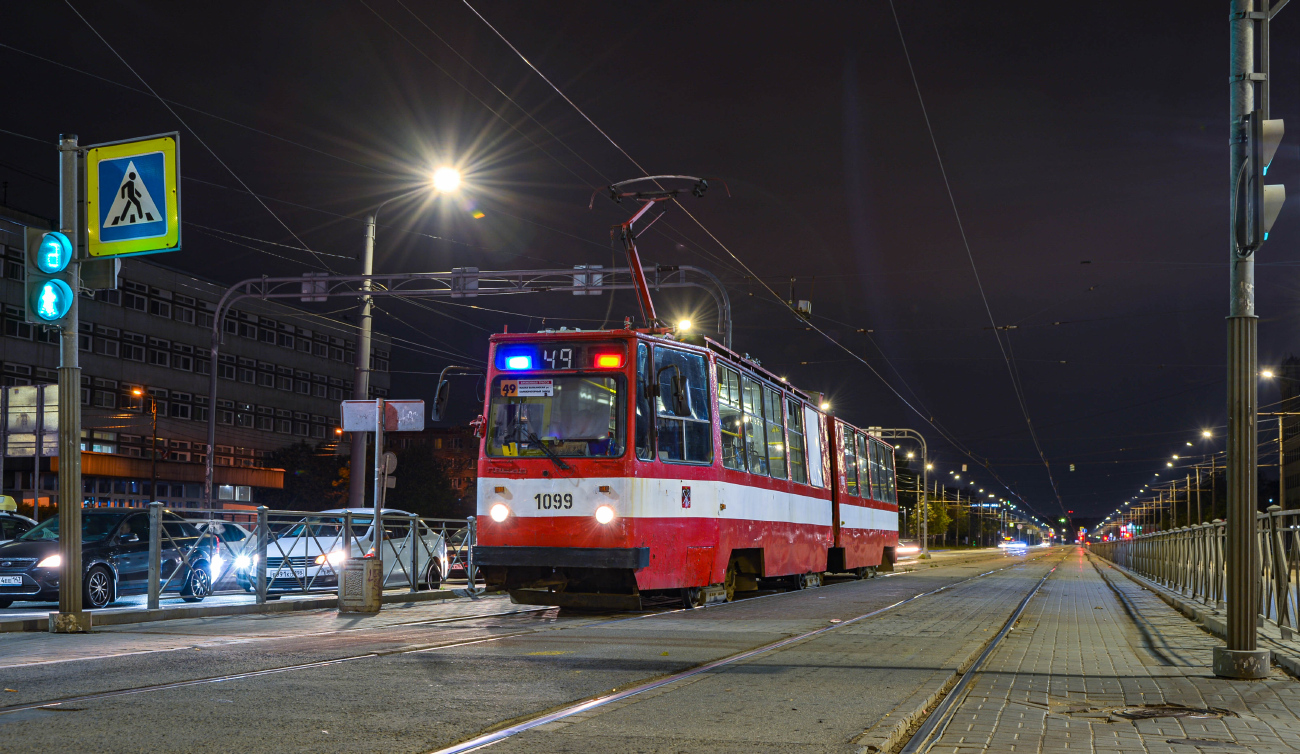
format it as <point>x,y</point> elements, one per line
<point>1102,665</point>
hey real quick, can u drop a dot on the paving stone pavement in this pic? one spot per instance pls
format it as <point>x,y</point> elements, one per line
<point>1088,647</point>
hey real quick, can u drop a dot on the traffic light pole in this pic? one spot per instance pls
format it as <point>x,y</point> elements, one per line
<point>70,618</point>
<point>1241,658</point>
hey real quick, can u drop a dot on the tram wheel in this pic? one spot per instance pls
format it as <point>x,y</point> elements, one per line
<point>861,573</point>
<point>729,582</point>
<point>692,597</point>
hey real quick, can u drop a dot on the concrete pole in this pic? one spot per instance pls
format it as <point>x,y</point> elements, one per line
<point>70,618</point>
<point>1241,659</point>
<point>361,378</point>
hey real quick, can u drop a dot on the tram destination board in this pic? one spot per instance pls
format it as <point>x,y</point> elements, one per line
<point>560,356</point>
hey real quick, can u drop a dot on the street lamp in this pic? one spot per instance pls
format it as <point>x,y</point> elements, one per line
<point>153,441</point>
<point>445,180</point>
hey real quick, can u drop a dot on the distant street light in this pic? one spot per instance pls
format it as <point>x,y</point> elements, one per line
<point>1266,374</point>
<point>684,325</point>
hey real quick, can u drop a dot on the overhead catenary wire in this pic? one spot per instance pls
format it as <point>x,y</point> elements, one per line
<point>952,200</point>
<point>195,134</point>
<point>925,415</point>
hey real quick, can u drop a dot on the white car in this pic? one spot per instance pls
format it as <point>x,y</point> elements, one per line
<point>309,555</point>
<point>229,541</point>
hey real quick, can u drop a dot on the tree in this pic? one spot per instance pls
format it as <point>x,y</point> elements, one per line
<point>314,479</point>
<point>423,485</point>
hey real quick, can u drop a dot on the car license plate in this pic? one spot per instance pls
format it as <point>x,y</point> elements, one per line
<point>285,573</point>
<point>11,580</point>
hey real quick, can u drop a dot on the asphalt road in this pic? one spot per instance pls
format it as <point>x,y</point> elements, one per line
<point>427,676</point>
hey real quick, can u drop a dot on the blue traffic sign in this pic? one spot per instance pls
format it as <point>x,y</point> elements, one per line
<point>133,197</point>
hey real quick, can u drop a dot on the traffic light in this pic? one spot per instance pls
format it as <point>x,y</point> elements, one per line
<point>50,288</point>
<point>1263,202</point>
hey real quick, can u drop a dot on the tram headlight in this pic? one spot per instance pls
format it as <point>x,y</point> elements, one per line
<point>604,514</point>
<point>499,512</point>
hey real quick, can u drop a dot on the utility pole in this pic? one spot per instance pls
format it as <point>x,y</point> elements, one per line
<point>1198,495</point>
<point>361,376</point>
<point>1241,658</point>
<point>70,618</point>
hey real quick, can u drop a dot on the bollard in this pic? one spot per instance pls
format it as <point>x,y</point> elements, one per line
<point>155,553</point>
<point>263,533</point>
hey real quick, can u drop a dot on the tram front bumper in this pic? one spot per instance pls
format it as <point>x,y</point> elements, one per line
<point>592,578</point>
<point>630,558</point>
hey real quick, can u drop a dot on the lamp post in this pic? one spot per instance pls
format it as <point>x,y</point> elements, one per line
<point>153,441</point>
<point>445,180</point>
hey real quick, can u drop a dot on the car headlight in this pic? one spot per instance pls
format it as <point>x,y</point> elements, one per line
<point>604,514</point>
<point>54,561</point>
<point>499,512</point>
<point>334,558</point>
<point>244,562</point>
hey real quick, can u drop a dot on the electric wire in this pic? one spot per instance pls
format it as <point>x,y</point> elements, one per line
<point>1011,372</point>
<point>195,134</point>
<point>923,414</point>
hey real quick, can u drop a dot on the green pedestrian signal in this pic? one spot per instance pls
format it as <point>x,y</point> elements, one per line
<point>50,286</point>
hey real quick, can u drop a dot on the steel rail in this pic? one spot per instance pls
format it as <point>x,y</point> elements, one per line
<point>937,722</point>
<point>368,655</point>
<point>500,735</point>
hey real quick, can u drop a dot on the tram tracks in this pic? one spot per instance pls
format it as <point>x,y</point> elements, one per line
<point>564,623</point>
<point>571,710</point>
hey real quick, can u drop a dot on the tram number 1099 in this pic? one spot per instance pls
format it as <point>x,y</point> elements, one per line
<point>555,501</point>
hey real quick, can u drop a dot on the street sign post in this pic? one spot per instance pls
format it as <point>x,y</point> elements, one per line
<point>379,416</point>
<point>133,197</point>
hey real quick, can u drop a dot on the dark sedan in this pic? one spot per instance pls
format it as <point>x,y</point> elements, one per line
<point>114,559</point>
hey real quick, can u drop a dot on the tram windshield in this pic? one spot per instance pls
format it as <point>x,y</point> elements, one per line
<point>569,416</point>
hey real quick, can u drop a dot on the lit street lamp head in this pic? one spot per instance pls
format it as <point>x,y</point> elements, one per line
<point>446,180</point>
<point>1266,374</point>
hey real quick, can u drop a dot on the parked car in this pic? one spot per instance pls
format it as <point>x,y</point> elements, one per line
<point>114,559</point>
<point>12,525</point>
<point>310,554</point>
<point>229,541</point>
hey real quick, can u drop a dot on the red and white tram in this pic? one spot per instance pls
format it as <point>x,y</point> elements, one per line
<point>619,464</point>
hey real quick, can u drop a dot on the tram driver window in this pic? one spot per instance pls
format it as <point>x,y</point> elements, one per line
<point>683,424</point>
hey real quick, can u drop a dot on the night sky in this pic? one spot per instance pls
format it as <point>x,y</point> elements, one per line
<point>1086,149</point>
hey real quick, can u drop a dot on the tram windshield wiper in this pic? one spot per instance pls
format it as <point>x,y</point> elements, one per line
<point>536,441</point>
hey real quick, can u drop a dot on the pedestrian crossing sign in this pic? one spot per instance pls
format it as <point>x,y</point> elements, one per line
<point>133,197</point>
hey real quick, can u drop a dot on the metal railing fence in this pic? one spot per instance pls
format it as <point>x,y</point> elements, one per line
<point>271,553</point>
<point>1191,561</point>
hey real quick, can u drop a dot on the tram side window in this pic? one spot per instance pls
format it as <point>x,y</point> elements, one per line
<point>865,472</point>
<point>877,470</point>
<point>850,462</point>
<point>755,446</point>
<point>775,433</point>
<point>817,473</point>
<point>643,384</point>
<point>731,417</point>
<point>794,430</point>
<point>891,493</point>
<point>684,434</point>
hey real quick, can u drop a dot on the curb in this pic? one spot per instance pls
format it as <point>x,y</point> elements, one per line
<point>1283,655</point>
<point>122,617</point>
